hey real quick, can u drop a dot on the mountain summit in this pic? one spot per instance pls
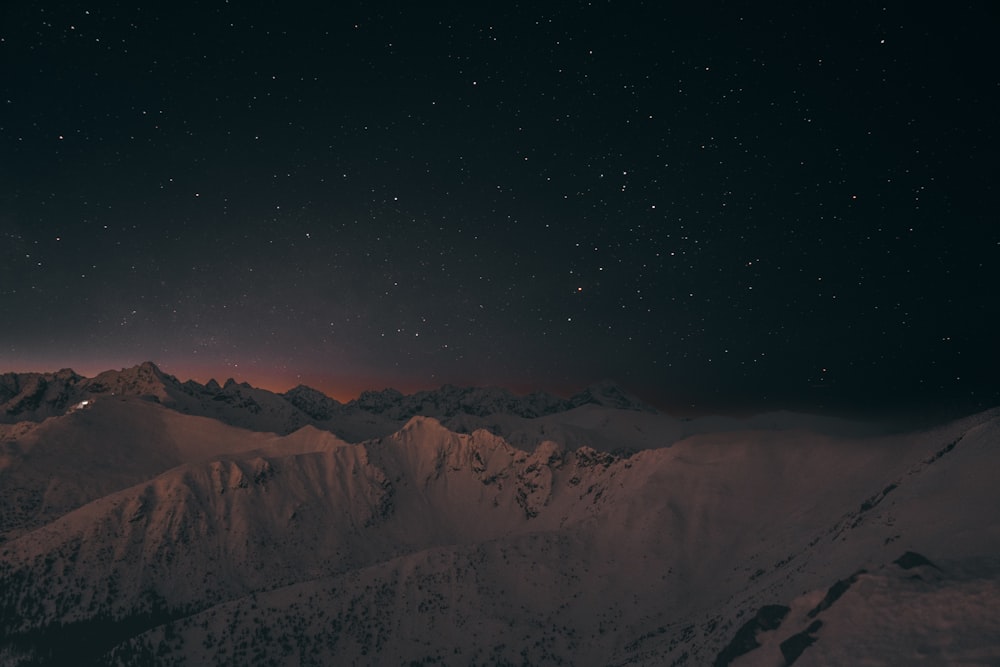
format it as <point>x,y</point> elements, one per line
<point>145,380</point>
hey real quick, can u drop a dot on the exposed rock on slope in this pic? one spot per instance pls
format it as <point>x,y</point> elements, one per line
<point>34,396</point>
<point>201,543</point>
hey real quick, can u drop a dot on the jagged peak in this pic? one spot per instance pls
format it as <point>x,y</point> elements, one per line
<point>423,434</point>
<point>431,425</point>
<point>145,379</point>
<point>427,434</point>
<point>150,367</point>
<point>146,369</point>
<point>231,383</point>
<point>67,374</point>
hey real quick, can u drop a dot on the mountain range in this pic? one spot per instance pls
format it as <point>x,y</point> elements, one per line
<point>152,521</point>
<point>36,396</point>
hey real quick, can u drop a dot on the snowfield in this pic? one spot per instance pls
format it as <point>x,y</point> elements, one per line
<point>177,523</point>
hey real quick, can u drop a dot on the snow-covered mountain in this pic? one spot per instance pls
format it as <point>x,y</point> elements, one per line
<point>602,416</point>
<point>139,534</point>
<point>37,396</point>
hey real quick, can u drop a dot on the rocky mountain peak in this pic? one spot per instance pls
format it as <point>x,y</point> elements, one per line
<point>145,379</point>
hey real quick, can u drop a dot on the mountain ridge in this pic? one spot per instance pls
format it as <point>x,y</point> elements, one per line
<point>36,396</point>
<point>601,416</point>
<point>179,523</point>
<point>589,554</point>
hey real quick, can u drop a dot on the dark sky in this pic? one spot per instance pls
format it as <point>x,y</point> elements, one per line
<point>715,205</point>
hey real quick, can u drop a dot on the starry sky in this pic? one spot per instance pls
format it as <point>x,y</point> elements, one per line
<point>717,205</point>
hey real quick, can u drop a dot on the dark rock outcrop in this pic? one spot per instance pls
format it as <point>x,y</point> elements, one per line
<point>769,617</point>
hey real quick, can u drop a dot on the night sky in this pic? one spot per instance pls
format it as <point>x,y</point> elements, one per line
<point>719,206</point>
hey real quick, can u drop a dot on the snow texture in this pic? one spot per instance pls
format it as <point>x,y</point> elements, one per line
<point>152,521</point>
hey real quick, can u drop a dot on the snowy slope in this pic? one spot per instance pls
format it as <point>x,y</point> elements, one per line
<point>431,545</point>
<point>50,468</point>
